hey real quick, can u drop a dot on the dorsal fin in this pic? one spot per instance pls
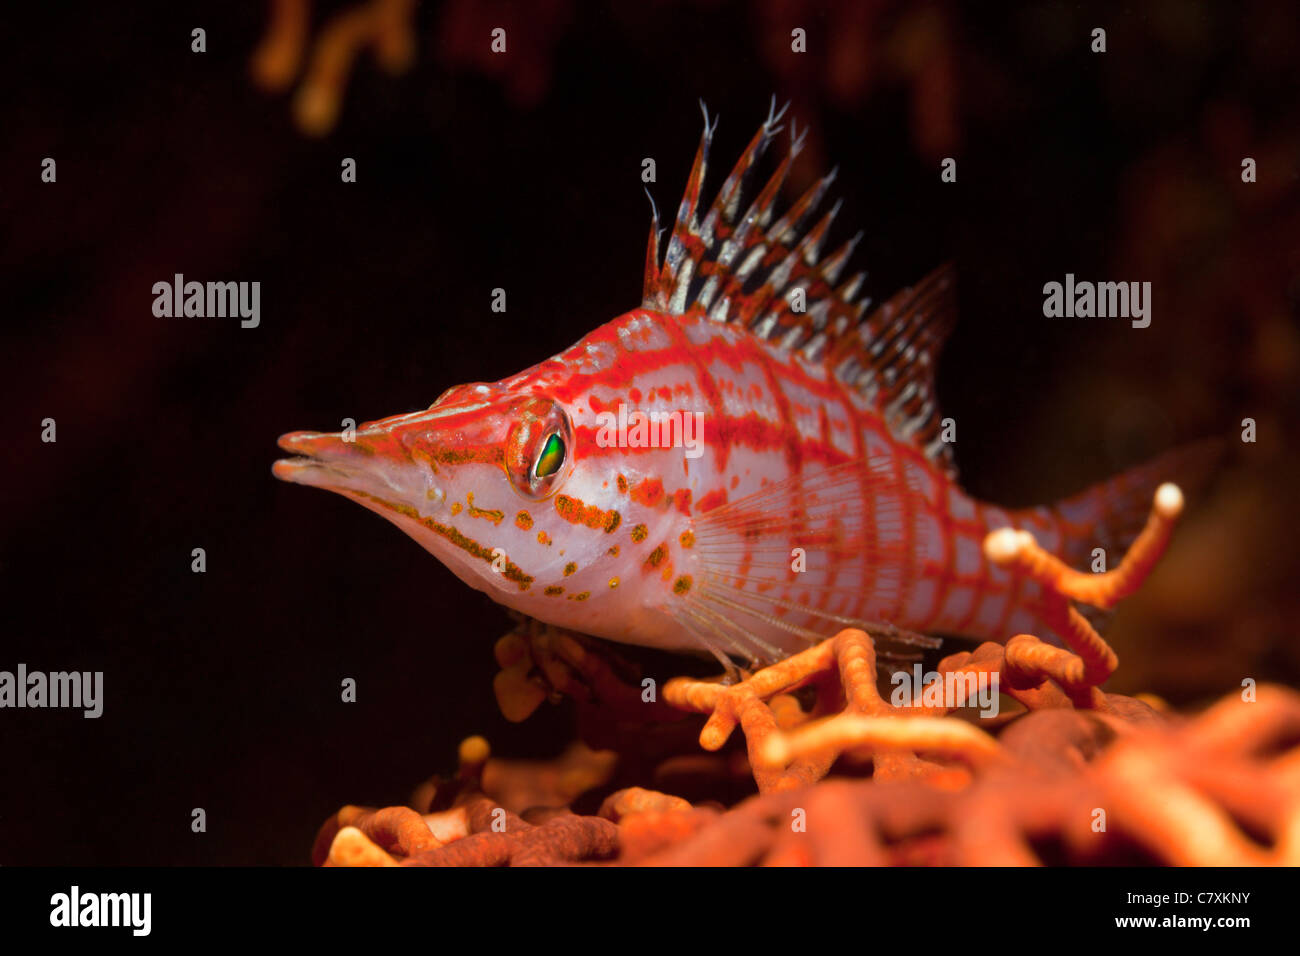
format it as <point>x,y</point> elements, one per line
<point>733,264</point>
<point>892,356</point>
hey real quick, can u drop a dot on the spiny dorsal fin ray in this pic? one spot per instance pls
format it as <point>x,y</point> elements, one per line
<point>892,356</point>
<point>746,269</point>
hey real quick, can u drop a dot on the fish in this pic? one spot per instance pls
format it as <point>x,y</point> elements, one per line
<point>750,461</point>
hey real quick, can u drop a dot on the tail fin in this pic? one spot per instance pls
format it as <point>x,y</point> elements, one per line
<point>1110,514</point>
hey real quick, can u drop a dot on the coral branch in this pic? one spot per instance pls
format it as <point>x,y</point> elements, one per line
<point>867,721</point>
<point>1218,790</point>
<point>1019,551</point>
<point>279,57</point>
<point>936,734</point>
<point>384,25</point>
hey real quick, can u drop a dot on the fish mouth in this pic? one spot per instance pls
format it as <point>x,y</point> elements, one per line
<point>348,467</point>
<point>321,459</point>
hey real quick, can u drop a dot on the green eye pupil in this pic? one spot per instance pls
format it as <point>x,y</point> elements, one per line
<point>551,458</point>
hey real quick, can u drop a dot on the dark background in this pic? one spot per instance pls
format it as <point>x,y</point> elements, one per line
<point>523,171</point>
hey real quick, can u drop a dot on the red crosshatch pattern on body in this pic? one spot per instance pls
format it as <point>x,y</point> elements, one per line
<point>818,435</point>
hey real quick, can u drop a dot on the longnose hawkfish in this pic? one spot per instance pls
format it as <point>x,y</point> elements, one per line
<point>825,494</point>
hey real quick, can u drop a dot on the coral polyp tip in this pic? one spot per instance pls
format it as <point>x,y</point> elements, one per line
<point>474,750</point>
<point>773,753</point>
<point>315,110</point>
<point>1005,544</point>
<point>1169,501</point>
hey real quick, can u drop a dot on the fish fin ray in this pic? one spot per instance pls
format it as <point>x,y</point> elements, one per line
<point>728,633</point>
<point>770,277</point>
<point>849,514</point>
<point>1109,515</point>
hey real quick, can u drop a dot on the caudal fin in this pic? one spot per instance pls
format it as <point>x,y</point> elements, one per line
<point>1110,514</point>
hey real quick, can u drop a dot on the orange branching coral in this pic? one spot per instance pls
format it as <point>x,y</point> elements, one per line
<point>539,661</point>
<point>1076,786</point>
<point>492,836</point>
<point>633,800</point>
<point>383,25</point>
<point>1096,661</point>
<point>463,42</point>
<point>761,706</point>
<point>356,836</point>
<point>500,838</point>
<point>279,57</point>
<point>517,785</point>
<point>521,784</point>
<point>525,821</point>
<point>1221,790</point>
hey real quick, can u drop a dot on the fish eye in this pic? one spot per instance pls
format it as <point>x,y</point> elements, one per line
<point>537,457</point>
<point>551,458</point>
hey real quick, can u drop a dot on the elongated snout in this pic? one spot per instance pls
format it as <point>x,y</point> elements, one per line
<point>318,458</point>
